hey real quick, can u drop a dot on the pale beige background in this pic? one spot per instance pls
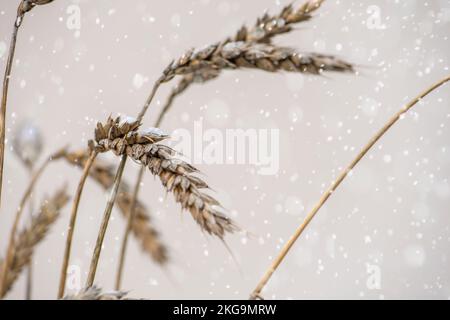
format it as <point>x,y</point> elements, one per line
<point>392,213</point>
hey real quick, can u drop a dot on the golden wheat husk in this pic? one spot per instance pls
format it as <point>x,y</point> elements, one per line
<point>32,235</point>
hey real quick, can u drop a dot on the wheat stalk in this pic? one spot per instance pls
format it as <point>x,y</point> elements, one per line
<point>256,294</point>
<point>262,32</point>
<point>26,196</point>
<point>27,240</point>
<point>72,221</point>
<point>95,293</point>
<point>24,7</point>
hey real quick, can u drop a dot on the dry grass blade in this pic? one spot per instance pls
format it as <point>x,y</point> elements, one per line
<point>95,293</point>
<point>177,176</point>
<point>256,294</point>
<point>142,228</point>
<point>32,235</point>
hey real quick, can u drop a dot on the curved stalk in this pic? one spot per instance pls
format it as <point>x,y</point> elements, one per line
<point>284,251</point>
<point>131,214</point>
<point>72,222</point>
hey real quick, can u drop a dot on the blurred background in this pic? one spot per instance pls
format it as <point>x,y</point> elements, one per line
<point>388,222</point>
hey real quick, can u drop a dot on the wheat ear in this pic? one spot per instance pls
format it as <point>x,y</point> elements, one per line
<point>113,194</point>
<point>95,293</point>
<point>72,221</point>
<point>256,294</point>
<point>177,176</point>
<point>263,31</point>
<point>24,7</point>
<point>31,236</point>
<point>26,196</point>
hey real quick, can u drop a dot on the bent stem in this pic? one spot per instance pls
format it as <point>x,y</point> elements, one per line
<point>12,50</point>
<point>113,195</point>
<point>72,222</point>
<point>256,294</point>
<point>131,214</point>
<point>12,235</point>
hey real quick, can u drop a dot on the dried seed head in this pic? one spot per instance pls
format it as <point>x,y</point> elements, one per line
<point>95,293</point>
<point>32,235</point>
<point>27,143</point>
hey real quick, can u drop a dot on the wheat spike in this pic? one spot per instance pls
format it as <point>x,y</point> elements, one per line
<point>95,293</point>
<point>33,234</point>
<point>177,176</point>
<point>269,26</point>
<point>262,32</point>
<point>103,173</point>
<point>267,57</point>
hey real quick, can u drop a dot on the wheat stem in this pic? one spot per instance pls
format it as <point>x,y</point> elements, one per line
<point>131,215</point>
<point>29,281</point>
<point>12,235</point>
<point>284,251</point>
<point>113,195</point>
<point>12,50</point>
<point>73,218</point>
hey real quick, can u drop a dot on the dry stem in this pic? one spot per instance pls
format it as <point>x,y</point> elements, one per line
<point>130,219</point>
<point>73,218</point>
<point>9,63</point>
<point>282,254</point>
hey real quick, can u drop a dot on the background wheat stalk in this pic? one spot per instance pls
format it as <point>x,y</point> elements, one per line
<point>24,7</point>
<point>27,239</point>
<point>256,294</point>
<point>18,215</point>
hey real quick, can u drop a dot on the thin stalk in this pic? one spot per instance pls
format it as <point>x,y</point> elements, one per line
<point>131,215</point>
<point>284,251</point>
<point>12,50</point>
<point>104,224</point>
<point>29,281</point>
<point>113,194</point>
<point>72,222</point>
<point>12,235</point>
